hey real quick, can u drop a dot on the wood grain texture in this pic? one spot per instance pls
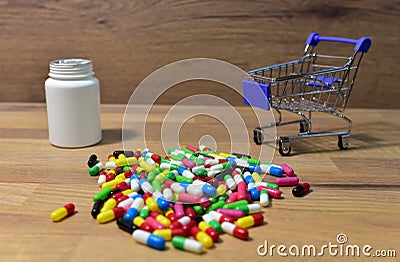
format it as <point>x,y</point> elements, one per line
<point>128,40</point>
<point>355,191</point>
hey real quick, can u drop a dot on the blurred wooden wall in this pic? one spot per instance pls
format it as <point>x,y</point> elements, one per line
<point>129,39</point>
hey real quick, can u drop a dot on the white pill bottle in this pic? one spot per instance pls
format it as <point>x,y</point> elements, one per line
<point>73,104</point>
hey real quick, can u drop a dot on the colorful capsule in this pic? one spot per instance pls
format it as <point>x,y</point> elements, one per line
<point>249,209</point>
<point>209,231</point>
<point>180,222</point>
<point>134,209</point>
<point>287,170</point>
<point>233,213</point>
<point>232,205</point>
<point>111,214</point>
<point>187,244</point>
<point>94,170</point>
<point>179,210</point>
<point>235,230</point>
<point>168,233</point>
<point>212,222</point>
<point>141,223</point>
<point>272,192</point>
<point>161,218</point>
<point>250,220</point>
<point>62,212</point>
<point>287,181</point>
<point>264,198</point>
<point>104,194</point>
<point>271,169</point>
<point>151,221</point>
<point>202,237</point>
<point>221,217</point>
<point>301,190</point>
<point>149,239</point>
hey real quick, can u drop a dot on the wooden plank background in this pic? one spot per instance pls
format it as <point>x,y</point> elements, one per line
<point>129,39</point>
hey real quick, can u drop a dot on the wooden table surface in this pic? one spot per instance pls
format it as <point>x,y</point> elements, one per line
<point>355,192</point>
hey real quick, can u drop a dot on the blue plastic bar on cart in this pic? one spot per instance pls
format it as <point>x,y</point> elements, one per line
<point>256,94</point>
<point>361,45</point>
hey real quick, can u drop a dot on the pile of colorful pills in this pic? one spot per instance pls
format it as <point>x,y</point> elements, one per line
<point>188,197</point>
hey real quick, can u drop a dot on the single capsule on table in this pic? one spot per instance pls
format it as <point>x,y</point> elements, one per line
<point>149,239</point>
<point>62,212</point>
<point>264,198</point>
<point>301,190</point>
<point>187,244</point>
<point>287,181</point>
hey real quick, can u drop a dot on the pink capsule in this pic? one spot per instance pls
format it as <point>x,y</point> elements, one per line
<point>287,170</point>
<point>272,192</point>
<point>233,213</point>
<point>232,198</point>
<point>192,148</point>
<point>188,163</point>
<point>242,191</point>
<point>179,211</point>
<point>287,181</point>
<point>188,198</point>
<point>151,221</point>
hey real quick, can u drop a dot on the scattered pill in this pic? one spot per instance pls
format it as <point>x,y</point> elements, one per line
<point>62,212</point>
<point>301,190</point>
<point>149,239</point>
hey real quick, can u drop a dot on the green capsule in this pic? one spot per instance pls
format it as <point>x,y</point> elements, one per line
<point>94,170</point>
<point>214,200</point>
<point>170,176</point>
<point>199,161</point>
<point>198,209</point>
<point>144,212</point>
<point>215,206</point>
<point>152,175</point>
<point>235,204</point>
<point>216,225</point>
<point>183,179</point>
<point>253,161</point>
<point>187,151</point>
<point>202,173</point>
<point>272,185</point>
<point>174,167</point>
<point>104,194</point>
<point>223,197</point>
<point>156,185</point>
<point>177,156</point>
<point>126,168</point>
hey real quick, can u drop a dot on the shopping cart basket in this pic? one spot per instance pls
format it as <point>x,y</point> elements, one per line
<point>314,83</point>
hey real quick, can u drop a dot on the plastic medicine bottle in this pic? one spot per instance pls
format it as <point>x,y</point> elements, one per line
<point>73,103</point>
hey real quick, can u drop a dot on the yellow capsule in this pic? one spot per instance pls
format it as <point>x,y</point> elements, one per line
<point>62,212</point>
<point>256,177</point>
<point>139,170</point>
<point>147,166</point>
<point>225,155</point>
<point>163,220</point>
<point>138,221</point>
<point>111,171</point>
<point>109,204</point>
<point>221,189</point>
<point>204,239</point>
<point>165,233</point>
<point>140,159</point>
<point>121,161</point>
<point>111,184</point>
<point>112,159</point>
<point>120,176</point>
<point>152,204</point>
<point>203,226</point>
<point>128,191</point>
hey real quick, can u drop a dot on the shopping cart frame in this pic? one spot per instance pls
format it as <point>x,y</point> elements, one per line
<point>304,86</point>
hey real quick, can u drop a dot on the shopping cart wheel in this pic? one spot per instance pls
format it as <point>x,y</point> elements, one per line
<point>343,141</point>
<point>284,146</point>
<point>258,137</point>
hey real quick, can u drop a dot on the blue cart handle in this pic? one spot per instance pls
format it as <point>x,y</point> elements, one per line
<point>361,45</point>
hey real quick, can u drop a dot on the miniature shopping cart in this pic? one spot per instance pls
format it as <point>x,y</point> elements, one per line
<point>314,83</point>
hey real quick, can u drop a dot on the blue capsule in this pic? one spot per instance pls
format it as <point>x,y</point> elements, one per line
<point>209,190</point>
<point>149,239</point>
